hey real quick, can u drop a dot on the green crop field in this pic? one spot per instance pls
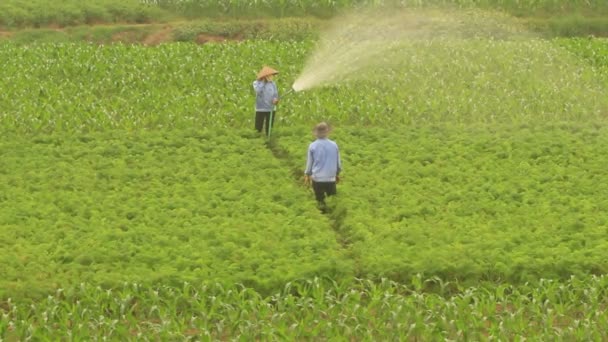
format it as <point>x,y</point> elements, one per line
<point>555,17</point>
<point>326,8</point>
<point>455,82</point>
<point>112,208</point>
<point>40,13</point>
<point>504,203</point>
<point>138,203</point>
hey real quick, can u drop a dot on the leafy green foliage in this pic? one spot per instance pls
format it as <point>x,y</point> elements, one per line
<point>594,51</point>
<point>574,25</point>
<point>509,202</point>
<point>460,81</point>
<point>562,18</point>
<point>315,309</point>
<point>288,29</point>
<point>328,8</point>
<point>154,208</point>
<point>468,160</point>
<point>41,13</point>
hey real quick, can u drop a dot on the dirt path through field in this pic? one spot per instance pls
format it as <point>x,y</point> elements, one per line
<point>335,215</point>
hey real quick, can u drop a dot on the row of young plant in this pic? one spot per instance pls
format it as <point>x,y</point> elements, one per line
<point>44,13</point>
<point>510,203</point>
<point>594,51</point>
<point>198,31</point>
<point>41,13</point>
<point>328,8</point>
<point>573,310</point>
<point>80,87</point>
<point>471,202</point>
<point>156,208</point>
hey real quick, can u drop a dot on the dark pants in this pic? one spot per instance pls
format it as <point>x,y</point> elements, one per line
<point>322,189</point>
<point>262,119</point>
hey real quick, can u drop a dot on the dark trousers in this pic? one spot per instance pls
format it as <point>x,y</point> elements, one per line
<point>262,119</point>
<point>323,189</point>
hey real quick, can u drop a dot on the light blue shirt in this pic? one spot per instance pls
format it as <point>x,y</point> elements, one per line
<point>323,162</point>
<point>265,92</point>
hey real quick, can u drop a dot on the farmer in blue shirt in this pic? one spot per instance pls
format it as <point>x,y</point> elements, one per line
<point>266,97</point>
<point>323,164</point>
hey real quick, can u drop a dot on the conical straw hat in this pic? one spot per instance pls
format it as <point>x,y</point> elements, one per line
<point>266,71</point>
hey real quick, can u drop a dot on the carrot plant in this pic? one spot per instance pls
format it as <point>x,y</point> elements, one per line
<point>511,203</point>
<point>157,208</point>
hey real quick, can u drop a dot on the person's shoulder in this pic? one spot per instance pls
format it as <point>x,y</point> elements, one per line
<point>334,144</point>
<point>318,142</point>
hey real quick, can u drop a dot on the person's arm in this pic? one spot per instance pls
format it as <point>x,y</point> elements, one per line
<point>309,160</point>
<point>275,97</point>
<point>258,86</point>
<point>339,169</point>
<point>308,171</point>
<point>339,162</point>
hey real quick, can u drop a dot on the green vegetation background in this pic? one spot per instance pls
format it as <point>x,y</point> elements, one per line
<point>499,182</point>
<point>554,18</point>
<point>134,194</point>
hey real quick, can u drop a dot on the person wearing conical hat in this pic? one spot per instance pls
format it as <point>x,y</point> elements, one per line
<point>266,97</point>
<point>323,164</point>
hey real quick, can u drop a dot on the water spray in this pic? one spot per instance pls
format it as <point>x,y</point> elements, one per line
<point>274,108</point>
<point>359,44</point>
<point>290,91</point>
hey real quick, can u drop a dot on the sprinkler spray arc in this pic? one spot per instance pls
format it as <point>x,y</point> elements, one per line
<point>274,108</point>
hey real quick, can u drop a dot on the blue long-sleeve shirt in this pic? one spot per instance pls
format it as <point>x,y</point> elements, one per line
<point>323,162</point>
<point>265,93</point>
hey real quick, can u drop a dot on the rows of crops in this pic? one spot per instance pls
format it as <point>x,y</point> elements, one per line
<point>472,160</point>
<point>154,208</point>
<point>512,202</point>
<point>41,13</point>
<point>594,51</point>
<point>464,81</point>
<point>326,8</point>
<point>571,311</point>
